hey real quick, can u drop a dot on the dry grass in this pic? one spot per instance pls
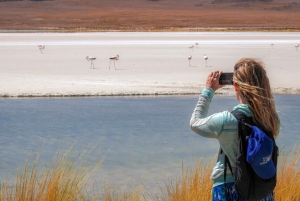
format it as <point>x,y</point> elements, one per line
<point>288,185</point>
<point>117,194</point>
<point>193,184</point>
<point>68,176</point>
<point>196,184</point>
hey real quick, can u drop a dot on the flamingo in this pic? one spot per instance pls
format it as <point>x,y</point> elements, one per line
<point>205,57</point>
<point>41,47</point>
<point>196,44</point>
<point>191,47</point>
<point>296,46</point>
<point>189,58</point>
<point>115,58</point>
<point>91,59</point>
<point>272,45</point>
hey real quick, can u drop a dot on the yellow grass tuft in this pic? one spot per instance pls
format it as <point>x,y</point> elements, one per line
<point>196,184</point>
<point>65,179</point>
<point>288,178</point>
<point>117,194</point>
<point>193,184</point>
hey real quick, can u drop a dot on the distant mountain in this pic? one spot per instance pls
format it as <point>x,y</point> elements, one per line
<point>22,0</point>
<point>149,15</point>
<point>9,0</point>
<point>239,1</point>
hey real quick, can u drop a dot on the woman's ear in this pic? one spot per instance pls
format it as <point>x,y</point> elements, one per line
<point>236,87</point>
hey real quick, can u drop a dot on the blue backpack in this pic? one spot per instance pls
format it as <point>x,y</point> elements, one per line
<point>256,161</point>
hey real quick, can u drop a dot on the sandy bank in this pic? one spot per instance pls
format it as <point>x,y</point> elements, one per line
<point>150,63</point>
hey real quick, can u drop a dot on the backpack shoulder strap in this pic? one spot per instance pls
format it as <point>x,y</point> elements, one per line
<point>244,127</point>
<point>243,118</point>
<point>238,114</point>
<point>244,121</point>
<point>247,122</point>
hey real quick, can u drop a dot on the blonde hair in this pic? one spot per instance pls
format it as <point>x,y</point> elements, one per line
<point>254,85</point>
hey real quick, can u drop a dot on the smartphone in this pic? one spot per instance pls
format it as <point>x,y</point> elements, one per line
<point>226,79</point>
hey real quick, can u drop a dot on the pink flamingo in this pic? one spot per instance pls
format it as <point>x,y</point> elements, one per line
<point>296,46</point>
<point>191,47</point>
<point>91,59</point>
<point>196,44</point>
<point>115,58</point>
<point>41,47</point>
<point>190,58</point>
<point>205,57</point>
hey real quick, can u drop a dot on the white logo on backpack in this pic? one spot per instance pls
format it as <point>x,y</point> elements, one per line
<point>266,160</point>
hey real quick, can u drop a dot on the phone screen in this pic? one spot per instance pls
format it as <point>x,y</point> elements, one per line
<point>226,79</point>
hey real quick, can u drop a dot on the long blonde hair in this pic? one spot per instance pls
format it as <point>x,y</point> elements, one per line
<point>254,85</point>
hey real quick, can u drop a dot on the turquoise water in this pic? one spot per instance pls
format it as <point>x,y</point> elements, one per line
<point>143,139</point>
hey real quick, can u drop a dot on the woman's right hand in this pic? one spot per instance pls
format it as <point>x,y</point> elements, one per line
<point>212,80</point>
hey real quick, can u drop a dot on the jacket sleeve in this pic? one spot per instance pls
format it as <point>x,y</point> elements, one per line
<point>202,124</point>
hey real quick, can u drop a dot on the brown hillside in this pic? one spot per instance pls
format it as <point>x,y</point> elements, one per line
<point>144,15</point>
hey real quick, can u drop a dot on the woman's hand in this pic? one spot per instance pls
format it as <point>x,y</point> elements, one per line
<point>212,80</point>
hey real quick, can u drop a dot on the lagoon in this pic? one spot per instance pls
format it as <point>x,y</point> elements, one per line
<point>144,140</point>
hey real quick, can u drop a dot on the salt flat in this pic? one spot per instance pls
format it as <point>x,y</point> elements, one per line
<point>150,63</point>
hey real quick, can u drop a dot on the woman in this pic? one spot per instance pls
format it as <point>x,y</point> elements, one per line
<point>253,92</point>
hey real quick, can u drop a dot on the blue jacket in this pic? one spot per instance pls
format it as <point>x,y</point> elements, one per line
<point>222,126</point>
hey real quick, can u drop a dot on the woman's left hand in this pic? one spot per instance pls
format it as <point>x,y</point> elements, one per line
<point>212,80</point>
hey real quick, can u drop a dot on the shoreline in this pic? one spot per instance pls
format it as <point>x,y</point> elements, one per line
<point>228,91</point>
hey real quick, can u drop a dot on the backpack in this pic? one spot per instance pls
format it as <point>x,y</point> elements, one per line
<point>246,180</point>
